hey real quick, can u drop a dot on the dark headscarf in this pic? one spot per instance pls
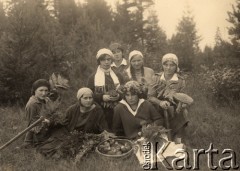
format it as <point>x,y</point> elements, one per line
<point>39,83</point>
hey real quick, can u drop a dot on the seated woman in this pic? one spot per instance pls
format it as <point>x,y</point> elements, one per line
<point>104,83</point>
<point>85,115</point>
<point>137,71</point>
<point>162,90</point>
<point>34,107</point>
<point>132,111</point>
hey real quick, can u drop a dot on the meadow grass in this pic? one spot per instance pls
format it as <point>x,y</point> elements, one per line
<point>211,122</point>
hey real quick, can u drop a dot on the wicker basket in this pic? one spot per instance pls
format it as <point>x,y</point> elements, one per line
<point>115,156</point>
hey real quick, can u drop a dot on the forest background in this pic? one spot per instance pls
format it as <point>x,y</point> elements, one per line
<point>40,37</point>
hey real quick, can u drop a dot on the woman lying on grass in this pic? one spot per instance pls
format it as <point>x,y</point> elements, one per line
<point>132,111</point>
<point>162,90</point>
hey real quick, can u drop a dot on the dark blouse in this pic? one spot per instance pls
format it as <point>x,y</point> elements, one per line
<point>90,122</point>
<point>100,91</point>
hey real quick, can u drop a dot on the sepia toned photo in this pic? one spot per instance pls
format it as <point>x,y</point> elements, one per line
<point>123,85</point>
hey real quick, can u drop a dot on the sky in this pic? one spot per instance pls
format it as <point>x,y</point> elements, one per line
<point>208,15</point>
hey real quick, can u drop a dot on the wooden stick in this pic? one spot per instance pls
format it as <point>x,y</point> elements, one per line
<point>166,117</point>
<point>21,133</point>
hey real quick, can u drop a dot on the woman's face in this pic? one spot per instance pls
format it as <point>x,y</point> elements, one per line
<point>137,62</point>
<point>105,62</point>
<point>41,92</point>
<point>132,99</point>
<point>118,56</point>
<point>169,68</point>
<point>86,100</point>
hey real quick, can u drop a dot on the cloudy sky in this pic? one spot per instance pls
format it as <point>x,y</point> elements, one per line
<point>208,15</point>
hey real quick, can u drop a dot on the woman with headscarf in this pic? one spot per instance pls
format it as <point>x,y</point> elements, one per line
<point>132,111</point>
<point>34,107</point>
<point>162,89</point>
<point>104,83</point>
<point>85,115</point>
<point>137,71</point>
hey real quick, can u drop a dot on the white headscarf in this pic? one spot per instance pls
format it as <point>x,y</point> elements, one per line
<point>103,52</point>
<point>99,79</point>
<point>133,53</point>
<point>170,57</point>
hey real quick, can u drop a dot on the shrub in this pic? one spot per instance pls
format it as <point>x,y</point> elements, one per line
<point>223,83</point>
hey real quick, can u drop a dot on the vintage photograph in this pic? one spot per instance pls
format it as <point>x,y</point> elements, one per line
<point>123,85</point>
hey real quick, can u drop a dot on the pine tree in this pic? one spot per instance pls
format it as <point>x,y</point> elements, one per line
<point>122,24</point>
<point>139,22</point>
<point>130,22</point>
<point>185,42</point>
<point>155,41</point>
<point>99,14</point>
<point>31,47</point>
<point>234,31</point>
<point>66,13</point>
<point>223,51</point>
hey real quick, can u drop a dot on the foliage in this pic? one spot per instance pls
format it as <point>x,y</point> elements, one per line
<point>185,42</point>
<point>155,42</point>
<point>66,12</point>
<point>129,21</point>
<point>32,47</point>
<point>77,145</point>
<point>234,30</point>
<point>41,37</point>
<point>223,82</point>
<point>122,23</point>
<point>20,48</point>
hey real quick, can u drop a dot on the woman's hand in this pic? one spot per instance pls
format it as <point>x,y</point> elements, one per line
<point>108,98</point>
<point>46,121</point>
<point>164,104</point>
<point>115,98</point>
<point>184,105</point>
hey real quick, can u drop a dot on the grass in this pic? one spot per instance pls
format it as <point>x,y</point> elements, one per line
<point>210,123</point>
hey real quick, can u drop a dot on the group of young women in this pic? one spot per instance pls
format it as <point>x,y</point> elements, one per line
<point>120,96</point>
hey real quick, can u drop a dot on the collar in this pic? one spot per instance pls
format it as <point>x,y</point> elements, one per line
<point>83,110</point>
<point>130,109</point>
<point>174,77</point>
<point>34,100</point>
<point>124,62</point>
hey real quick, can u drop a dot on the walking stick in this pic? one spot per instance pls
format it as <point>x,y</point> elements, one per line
<point>166,117</point>
<point>21,133</point>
